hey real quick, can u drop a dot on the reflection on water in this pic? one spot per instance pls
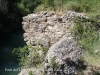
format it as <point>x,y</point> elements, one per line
<point>10,68</point>
<point>8,60</point>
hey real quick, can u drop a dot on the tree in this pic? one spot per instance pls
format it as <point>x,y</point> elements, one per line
<point>3,6</point>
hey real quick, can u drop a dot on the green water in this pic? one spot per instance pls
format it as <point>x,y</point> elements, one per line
<point>8,60</point>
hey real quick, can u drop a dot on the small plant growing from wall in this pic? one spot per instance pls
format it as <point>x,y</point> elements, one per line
<point>53,64</point>
<point>30,73</point>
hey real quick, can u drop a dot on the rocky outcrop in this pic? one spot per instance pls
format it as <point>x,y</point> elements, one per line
<point>48,27</point>
<point>65,54</point>
<point>53,30</point>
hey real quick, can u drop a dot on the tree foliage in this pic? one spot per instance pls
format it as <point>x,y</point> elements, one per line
<point>14,10</point>
<point>28,5</point>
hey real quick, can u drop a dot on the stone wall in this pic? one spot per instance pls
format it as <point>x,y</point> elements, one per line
<point>48,27</point>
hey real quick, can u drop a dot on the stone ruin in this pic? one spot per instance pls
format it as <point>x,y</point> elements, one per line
<point>52,30</point>
<point>48,27</point>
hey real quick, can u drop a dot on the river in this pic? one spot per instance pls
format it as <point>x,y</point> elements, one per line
<point>8,60</point>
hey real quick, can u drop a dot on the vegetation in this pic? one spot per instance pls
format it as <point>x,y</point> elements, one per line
<point>87,33</point>
<point>86,6</point>
<point>22,53</point>
<point>14,10</point>
<point>28,5</point>
<point>53,64</point>
<point>29,56</point>
<point>30,73</point>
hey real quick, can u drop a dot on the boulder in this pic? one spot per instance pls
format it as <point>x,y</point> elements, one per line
<point>64,54</point>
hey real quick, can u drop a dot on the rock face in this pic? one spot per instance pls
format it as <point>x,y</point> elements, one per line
<point>47,27</point>
<point>65,53</point>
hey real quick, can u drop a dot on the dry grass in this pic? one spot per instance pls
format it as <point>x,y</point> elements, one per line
<point>94,58</point>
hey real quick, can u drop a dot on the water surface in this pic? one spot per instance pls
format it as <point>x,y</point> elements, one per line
<point>8,60</point>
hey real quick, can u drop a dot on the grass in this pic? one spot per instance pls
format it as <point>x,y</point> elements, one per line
<point>87,34</point>
<point>86,6</point>
<point>94,59</point>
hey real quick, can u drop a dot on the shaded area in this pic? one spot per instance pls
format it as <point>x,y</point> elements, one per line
<point>8,42</point>
<point>83,68</point>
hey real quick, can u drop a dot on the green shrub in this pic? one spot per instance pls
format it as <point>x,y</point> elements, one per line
<point>28,56</point>
<point>30,73</point>
<point>22,53</point>
<point>34,58</point>
<point>28,6</point>
<point>86,6</point>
